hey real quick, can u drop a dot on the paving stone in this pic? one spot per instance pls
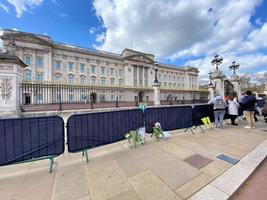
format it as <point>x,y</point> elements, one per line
<point>41,181</point>
<point>9,186</point>
<point>209,193</point>
<point>171,170</point>
<point>197,148</point>
<point>108,182</point>
<point>193,186</point>
<point>87,197</point>
<point>130,164</point>
<point>146,150</point>
<point>176,150</point>
<point>70,182</point>
<point>215,168</point>
<point>97,165</point>
<point>128,195</point>
<point>198,161</point>
<point>148,186</point>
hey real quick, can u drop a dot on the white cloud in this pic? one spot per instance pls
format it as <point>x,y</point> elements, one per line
<point>4,7</point>
<point>22,6</point>
<point>179,29</point>
<point>100,38</point>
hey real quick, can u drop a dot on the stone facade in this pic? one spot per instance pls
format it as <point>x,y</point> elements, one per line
<point>53,62</point>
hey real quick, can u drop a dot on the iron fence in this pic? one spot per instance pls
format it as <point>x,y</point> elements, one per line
<point>39,96</point>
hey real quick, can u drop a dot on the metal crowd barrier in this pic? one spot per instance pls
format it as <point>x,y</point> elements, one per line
<point>170,118</point>
<point>30,139</point>
<point>86,131</point>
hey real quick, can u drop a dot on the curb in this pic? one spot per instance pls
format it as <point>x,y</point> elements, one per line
<point>225,185</point>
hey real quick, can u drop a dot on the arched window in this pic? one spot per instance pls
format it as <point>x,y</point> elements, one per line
<point>112,81</point>
<point>70,79</point>
<point>93,81</point>
<point>58,77</point>
<point>103,81</point>
<point>82,80</point>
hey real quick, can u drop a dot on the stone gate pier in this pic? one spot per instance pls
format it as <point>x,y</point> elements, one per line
<point>11,74</point>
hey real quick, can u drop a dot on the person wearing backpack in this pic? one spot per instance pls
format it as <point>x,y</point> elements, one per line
<point>219,108</point>
<point>248,104</point>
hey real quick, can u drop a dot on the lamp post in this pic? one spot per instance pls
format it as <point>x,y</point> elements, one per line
<point>234,67</point>
<point>210,77</point>
<point>156,65</point>
<point>217,61</point>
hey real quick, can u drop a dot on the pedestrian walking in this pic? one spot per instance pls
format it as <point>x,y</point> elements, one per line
<point>233,106</point>
<point>248,104</point>
<point>219,109</point>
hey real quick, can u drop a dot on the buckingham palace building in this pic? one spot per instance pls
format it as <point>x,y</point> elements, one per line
<point>68,73</point>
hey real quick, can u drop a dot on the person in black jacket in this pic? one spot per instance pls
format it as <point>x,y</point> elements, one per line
<point>248,105</point>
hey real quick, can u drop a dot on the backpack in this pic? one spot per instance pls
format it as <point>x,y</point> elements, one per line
<point>219,103</point>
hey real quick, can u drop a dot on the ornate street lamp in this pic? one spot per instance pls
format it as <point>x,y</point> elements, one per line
<point>217,61</point>
<point>234,67</point>
<point>156,72</point>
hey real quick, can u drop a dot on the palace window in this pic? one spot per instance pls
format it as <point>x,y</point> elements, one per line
<point>82,80</point>
<point>40,62</point>
<point>70,79</point>
<point>111,71</point>
<point>28,60</point>
<point>120,72</point>
<point>58,77</point>
<point>40,76</point>
<point>102,70</point>
<point>93,69</point>
<point>112,81</point>
<point>82,68</point>
<point>27,75</point>
<point>57,64</point>
<point>39,97</point>
<point>71,64</point>
<point>93,81</point>
<point>103,81</point>
<point>71,97</point>
<point>159,77</point>
<point>120,82</point>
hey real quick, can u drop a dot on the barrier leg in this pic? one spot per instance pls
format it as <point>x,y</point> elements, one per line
<point>190,130</point>
<point>202,129</point>
<point>86,155</point>
<point>51,164</point>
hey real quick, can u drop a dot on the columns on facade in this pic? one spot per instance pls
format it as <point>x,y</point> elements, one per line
<point>11,75</point>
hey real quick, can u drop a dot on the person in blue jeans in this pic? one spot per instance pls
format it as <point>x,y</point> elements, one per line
<point>219,109</point>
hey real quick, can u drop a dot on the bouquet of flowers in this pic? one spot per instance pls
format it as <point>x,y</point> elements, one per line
<point>136,137</point>
<point>158,132</point>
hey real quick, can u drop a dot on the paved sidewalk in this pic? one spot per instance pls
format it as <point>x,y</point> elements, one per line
<point>173,169</point>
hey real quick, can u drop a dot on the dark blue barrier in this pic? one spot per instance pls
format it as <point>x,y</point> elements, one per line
<point>24,139</point>
<point>260,103</point>
<point>200,111</point>
<point>94,129</point>
<point>170,118</point>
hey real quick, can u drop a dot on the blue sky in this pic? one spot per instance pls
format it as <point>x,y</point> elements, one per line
<point>178,32</point>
